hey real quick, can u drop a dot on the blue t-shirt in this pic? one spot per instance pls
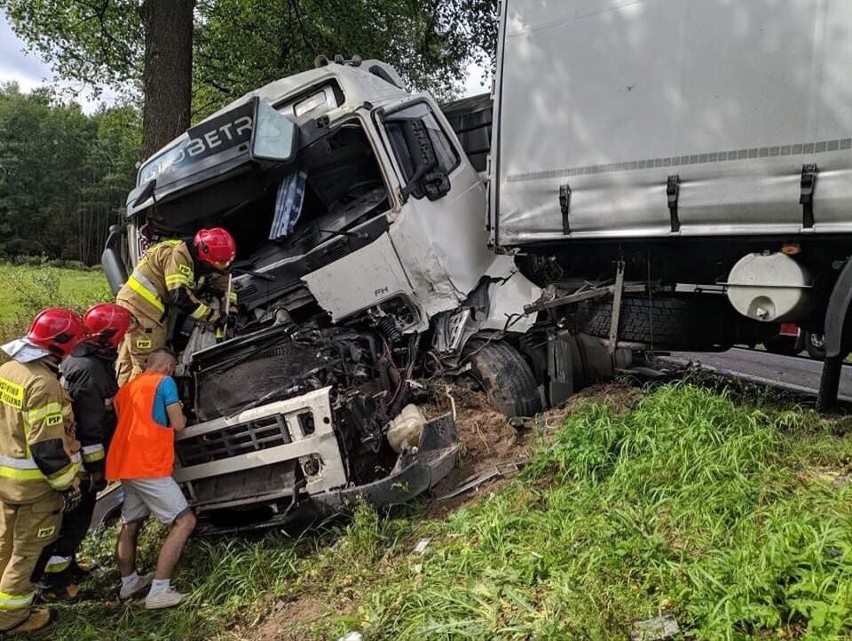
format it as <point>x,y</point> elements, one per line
<point>167,394</point>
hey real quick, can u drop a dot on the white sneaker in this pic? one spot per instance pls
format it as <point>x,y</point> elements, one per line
<point>141,583</point>
<point>166,599</point>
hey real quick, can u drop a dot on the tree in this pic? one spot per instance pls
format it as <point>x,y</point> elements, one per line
<point>134,44</point>
<point>141,45</point>
<point>247,43</point>
<point>167,71</point>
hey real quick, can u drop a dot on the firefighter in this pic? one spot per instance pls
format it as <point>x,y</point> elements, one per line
<point>39,460</point>
<point>164,278</point>
<point>88,375</point>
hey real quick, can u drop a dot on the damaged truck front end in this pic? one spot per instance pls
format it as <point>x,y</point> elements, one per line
<point>292,425</point>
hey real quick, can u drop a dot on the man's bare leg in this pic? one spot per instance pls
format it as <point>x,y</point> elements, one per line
<point>173,546</point>
<point>125,547</point>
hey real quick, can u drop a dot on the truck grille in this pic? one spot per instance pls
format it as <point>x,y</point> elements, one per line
<point>254,436</point>
<point>269,376</point>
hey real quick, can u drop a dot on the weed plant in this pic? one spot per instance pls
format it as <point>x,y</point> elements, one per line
<point>25,290</point>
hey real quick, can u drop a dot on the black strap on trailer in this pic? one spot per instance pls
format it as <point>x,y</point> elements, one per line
<point>565,206</point>
<point>673,195</point>
<point>806,195</point>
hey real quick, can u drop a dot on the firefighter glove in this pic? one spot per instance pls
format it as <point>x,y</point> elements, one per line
<point>71,497</point>
<point>212,316</point>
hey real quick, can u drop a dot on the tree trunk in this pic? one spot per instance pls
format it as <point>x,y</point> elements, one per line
<point>167,76</point>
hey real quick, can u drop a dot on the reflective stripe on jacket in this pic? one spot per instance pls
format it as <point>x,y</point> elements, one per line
<point>141,448</point>
<point>165,267</point>
<point>38,449</point>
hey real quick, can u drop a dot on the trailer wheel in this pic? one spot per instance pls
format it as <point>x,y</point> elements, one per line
<point>666,322</point>
<point>504,376</point>
<point>815,344</point>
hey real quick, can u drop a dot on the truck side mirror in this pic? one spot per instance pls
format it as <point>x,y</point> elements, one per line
<point>428,178</point>
<point>114,267</point>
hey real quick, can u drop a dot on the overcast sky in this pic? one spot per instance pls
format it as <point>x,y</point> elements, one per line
<point>27,70</point>
<point>30,72</point>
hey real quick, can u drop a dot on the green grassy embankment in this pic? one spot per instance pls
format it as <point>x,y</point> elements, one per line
<point>26,289</point>
<point>734,518</point>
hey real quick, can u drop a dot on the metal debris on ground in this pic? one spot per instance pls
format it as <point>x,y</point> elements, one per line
<point>503,470</point>
<point>656,629</point>
<point>422,544</point>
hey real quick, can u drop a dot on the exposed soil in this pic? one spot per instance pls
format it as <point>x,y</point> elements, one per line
<point>289,620</point>
<point>621,398</point>
<point>489,441</point>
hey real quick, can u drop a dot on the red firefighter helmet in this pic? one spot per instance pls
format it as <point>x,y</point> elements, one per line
<point>57,330</point>
<point>107,323</point>
<point>215,247</point>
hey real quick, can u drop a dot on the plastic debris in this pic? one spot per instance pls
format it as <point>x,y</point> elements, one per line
<point>656,629</point>
<point>422,544</point>
<point>502,470</point>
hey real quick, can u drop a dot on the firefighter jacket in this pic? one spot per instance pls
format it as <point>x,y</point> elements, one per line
<point>166,276</point>
<point>89,377</point>
<point>142,448</point>
<point>38,451</point>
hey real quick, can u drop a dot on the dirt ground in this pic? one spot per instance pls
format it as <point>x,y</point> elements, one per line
<point>288,620</point>
<point>489,441</point>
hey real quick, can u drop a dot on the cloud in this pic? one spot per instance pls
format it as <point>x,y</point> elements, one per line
<point>18,65</point>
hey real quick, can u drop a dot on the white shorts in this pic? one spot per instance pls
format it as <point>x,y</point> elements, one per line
<point>160,496</point>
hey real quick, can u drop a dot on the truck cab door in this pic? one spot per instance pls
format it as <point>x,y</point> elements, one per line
<point>439,233</point>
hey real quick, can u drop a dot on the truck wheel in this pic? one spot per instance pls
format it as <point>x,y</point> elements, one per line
<point>815,345</point>
<point>504,376</point>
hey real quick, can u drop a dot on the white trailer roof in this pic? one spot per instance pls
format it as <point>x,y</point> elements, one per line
<point>608,99</point>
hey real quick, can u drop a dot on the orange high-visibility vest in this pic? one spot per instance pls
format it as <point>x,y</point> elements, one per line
<point>141,448</point>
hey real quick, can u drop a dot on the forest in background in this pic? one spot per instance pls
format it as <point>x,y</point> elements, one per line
<point>64,175</point>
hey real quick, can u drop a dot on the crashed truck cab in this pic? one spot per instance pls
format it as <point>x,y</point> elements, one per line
<point>359,224</point>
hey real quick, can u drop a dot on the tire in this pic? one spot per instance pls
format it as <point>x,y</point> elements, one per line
<point>666,322</point>
<point>783,346</point>
<point>815,344</point>
<point>504,376</point>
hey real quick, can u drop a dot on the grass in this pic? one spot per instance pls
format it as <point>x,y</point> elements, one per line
<point>27,289</point>
<point>723,514</point>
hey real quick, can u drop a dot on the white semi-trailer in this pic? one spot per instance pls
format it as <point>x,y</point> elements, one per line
<point>705,145</point>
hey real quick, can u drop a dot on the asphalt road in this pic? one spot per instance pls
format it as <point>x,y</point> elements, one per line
<point>792,372</point>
